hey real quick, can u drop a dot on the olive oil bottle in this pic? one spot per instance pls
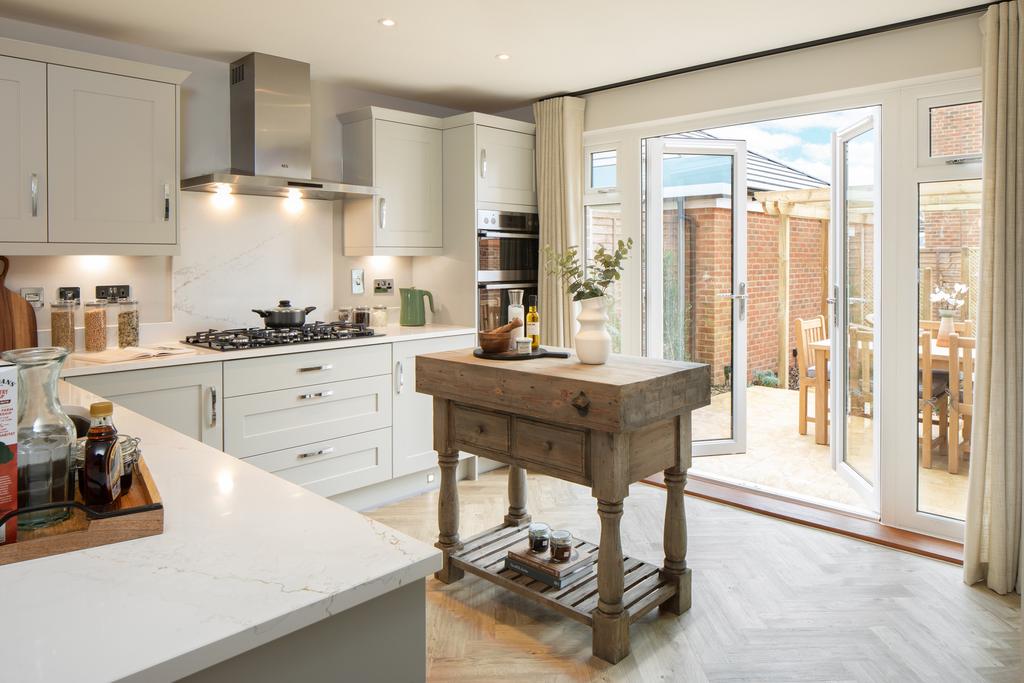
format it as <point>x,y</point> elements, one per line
<point>533,322</point>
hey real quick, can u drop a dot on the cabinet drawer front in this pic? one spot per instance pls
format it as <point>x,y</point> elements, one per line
<point>335,466</point>
<point>477,428</point>
<point>271,421</point>
<point>550,447</point>
<point>255,375</point>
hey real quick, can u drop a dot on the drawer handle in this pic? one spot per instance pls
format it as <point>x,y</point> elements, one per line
<point>479,429</point>
<point>548,446</point>
<point>319,394</point>
<point>317,368</point>
<point>581,402</point>
<point>322,451</point>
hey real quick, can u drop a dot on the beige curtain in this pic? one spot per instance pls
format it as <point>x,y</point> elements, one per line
<point>560,204</point>
<point>993,543</point>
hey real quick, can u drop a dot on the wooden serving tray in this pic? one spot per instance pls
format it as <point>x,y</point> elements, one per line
<point>141,514</point>
<point>539,352</point>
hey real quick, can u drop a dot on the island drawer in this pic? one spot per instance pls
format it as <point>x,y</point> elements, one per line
<point>478,428</point>
<point>334,466</point>
<point>270,373</point>
<point>275,420</point>
<point>541,447</point>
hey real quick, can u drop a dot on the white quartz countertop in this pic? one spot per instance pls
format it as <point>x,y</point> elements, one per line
<point>78,364</point>
<point>245,558</point>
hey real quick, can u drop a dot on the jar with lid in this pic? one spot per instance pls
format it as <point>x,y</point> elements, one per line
<point>127,323</point>
<point>561,546</point>
<point>540,536</point>
<point>96,325</point>
<point>62,324</point>
<point>345,314</point>
<point>379,316</point>
<point>361,315</point>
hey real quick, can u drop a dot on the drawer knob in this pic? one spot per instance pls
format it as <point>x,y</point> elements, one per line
<point>548,446</point>
<point>581,402</point>
<point>479,429</point>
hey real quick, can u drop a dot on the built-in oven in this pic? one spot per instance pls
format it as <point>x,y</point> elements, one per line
<point>508,246</point>
<point>493,298</point>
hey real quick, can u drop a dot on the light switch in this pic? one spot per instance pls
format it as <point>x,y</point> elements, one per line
<point>357,281</point>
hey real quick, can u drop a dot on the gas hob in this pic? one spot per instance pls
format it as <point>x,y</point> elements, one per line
<point>262,337</point>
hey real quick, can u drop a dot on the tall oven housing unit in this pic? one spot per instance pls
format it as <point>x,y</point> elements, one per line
<point>508,258</point>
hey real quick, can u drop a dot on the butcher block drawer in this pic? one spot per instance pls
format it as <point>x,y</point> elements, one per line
<point>275,420</point>
<point>542,447</point>
<point>335,466</point>
<point>254,375</point>
<point>478,428</point>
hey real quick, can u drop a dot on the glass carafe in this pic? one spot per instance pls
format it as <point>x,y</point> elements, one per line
<point>45,436</point>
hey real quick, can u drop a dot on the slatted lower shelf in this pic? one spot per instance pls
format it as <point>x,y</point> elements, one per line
<point>484,555</point>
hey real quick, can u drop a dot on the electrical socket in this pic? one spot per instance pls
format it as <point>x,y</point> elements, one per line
<point>69,294</point>
<point>33,295</point>
<point>383,286</point>
<point>113,291</point>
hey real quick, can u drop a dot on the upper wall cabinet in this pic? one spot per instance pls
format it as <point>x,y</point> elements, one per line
<point>113,161</point>
<point>22,150</point>
<point>88,153</point>
<point>400,154</point>
<point>505,167</point>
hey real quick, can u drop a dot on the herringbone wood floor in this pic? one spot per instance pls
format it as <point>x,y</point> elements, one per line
<point>772,601</point>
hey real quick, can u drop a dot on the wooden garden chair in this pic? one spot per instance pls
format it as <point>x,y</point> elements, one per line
<point>932,394</point>
<point>808,330</point>
<point>961,397</point>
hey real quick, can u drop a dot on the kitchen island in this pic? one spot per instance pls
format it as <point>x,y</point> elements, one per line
<point>254,578</point>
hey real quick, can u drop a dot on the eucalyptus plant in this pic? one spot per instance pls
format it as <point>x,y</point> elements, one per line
<point>588,279</point>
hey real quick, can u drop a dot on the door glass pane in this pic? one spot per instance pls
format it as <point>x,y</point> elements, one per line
<point>859,222</point>
<point>949,239</point>
<point>604,229</point>
<point>697,260</point>
<point>954,130</point>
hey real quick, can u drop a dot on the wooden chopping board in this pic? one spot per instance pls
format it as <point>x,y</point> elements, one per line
<point>17,317</point>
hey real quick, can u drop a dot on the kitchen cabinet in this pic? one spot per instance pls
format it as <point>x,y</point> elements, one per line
<point>186,398</point>
<point>401,155</point>
<point>88,153</point>
<point>414,412</point>
<point>506,169</point>
<point>22,150</point>
<point>113,163</point>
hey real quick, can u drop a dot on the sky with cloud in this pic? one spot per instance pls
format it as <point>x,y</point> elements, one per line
<point>805,142</point>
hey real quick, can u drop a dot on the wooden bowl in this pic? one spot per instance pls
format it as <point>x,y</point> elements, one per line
<point>495,343</point>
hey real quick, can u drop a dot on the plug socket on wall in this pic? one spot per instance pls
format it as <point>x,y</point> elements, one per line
<point>113,291</point>
<point>383,286</point>
<point>69,294</point>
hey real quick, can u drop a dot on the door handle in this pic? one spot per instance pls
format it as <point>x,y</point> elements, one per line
<point>740,296</point>
<point>483,163</point>
<point>833,301</point>
<point>399,377</point>
<point>33,189</point>
<point>213,407</point>
<point>382,211</point>
<point>167,202</point>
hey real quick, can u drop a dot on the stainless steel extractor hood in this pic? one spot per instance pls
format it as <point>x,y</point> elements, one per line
<point>271,132</point>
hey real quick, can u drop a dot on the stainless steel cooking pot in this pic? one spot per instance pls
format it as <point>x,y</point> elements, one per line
<point>285,315</point>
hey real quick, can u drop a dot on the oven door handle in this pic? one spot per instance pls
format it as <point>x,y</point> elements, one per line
<point>510,285</point>
<point>510,235</point>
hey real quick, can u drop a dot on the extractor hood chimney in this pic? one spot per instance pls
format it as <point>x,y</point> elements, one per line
<point>271,132</point>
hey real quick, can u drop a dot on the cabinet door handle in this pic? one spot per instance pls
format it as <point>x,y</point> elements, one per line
<point>319,394</point>
<point>167,202</point>
<point>317,368</point>
<point>383,213</point>
<point>322,451</point>
<point>33,191</point>
<point>399,377</point>
<point>213,407</point>
<point>483,163</point>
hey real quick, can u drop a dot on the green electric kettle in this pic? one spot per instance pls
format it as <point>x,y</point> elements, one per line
<point>413,314</point>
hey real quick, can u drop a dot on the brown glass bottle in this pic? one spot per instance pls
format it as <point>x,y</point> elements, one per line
<point>102,470</point>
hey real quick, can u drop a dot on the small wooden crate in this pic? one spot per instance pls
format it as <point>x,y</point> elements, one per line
<point>143,515</point>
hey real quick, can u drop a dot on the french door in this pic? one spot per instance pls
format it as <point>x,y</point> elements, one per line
<point>853,367</point>
<point>696,263</point>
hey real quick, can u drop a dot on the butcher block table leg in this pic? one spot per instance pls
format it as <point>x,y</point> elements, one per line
<point>517,515</point>
<point>675,522</point>
<point>611,486</point>
<point>448,499</point>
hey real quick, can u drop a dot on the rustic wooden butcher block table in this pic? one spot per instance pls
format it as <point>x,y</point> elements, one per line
<point>603,426</point>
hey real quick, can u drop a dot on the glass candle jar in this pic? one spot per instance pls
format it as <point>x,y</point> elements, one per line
<point>62,324</point>
<point>96,325</point>
<point>561,545</point>
<point>127,323</point>
<point>540,536</point>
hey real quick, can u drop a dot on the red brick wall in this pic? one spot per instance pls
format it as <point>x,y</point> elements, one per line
<point>956,130</point>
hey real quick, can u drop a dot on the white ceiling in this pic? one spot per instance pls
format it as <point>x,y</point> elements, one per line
<point>443,51</point>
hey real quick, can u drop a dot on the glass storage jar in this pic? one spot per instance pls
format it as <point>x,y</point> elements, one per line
<point>345,314</point>
<point>379,316</point>
<point>540,536</point>
<point>361,315</point>
<point>96,325</point>
<point>62,324</point>
<point>46,436</point>
<point>561,546</point>
<point>127,323</point>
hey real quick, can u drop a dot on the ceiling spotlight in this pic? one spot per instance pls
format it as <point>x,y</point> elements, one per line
<point>385,21</point>
<point>503,56</point>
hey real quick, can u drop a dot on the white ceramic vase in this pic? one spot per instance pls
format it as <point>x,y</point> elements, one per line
<point>593,343</point>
